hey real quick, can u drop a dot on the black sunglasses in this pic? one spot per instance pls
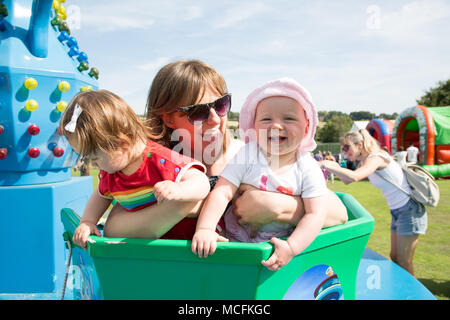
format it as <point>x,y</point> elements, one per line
<point>200,112</point>
<point>345,147</point>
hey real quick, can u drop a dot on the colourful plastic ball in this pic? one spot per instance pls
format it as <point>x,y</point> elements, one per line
<point>58,152</point>
<point>1,129</point>
<point>55,4</point>
<point>3,153</point>
<point>31,105</point>
<point>33,152</point>
<point>34,129</point>
<point>86,88</point>
<point>30,83</point>
<point>71,41</point>
<point>73,51</point>
<point>93,73</point>
<point>63,36</point>
<point>61,12</point>
<point>83,66</point>
<point>56,22</point>
<point>61,106</point>
<point>63,86</point>
<point>82,57</point>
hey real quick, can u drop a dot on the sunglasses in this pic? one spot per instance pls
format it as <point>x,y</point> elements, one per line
<point>200,112</point>
<point>345,147</point>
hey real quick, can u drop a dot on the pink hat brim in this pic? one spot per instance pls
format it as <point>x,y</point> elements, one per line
<point>284,87</point>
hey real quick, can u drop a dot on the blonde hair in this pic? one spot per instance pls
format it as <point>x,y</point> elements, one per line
<point>178,84</point>
<point>105,123</point>
<point>369,143</point>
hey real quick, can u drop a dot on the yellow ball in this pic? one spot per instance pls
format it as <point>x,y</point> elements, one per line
<point>63,86</point>
<point>31,105</point>
<point>61,106</point>
<point>62,15</point>
<point>30,83</point>
<point>55,4</point>
<point>86,88</point>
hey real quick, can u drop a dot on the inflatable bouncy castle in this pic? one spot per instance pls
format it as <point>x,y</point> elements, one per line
<point>429,130</point>
<point>381,130</point>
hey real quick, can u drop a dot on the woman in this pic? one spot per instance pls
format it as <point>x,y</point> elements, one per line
<point>186,110</point>
<point>409,218</point>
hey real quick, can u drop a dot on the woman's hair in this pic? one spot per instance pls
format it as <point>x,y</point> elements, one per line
<point>370,144</point>
<point>106,122</point>
<point>178,84</point>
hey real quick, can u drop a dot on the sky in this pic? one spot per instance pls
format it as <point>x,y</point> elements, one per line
<point>351,55</point>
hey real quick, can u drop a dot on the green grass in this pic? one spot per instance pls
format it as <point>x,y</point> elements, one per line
<point>432,256</point>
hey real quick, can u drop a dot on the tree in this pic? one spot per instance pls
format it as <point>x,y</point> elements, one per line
<point>335,128</point>
<point>331,114</point>
<point>387,116</point>
<point>362,115</point>
<point>438,96</point>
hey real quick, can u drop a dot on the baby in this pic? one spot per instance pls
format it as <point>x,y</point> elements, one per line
<point>279,121</point>
<point>134,170</point>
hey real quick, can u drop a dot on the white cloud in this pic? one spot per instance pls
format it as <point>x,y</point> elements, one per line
<point>241,12</point>
<point>413,21</point>
<point>155,65</point>
<point>192,13</point>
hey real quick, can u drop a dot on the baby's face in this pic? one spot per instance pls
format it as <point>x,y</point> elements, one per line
<point>116,161</point>
<point>280,124</point>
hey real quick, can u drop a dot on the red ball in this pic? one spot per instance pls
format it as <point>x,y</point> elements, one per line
<point>1,129</point>
<point>33,152</point>
<point>34,129</point>
<point>58,152</point>
<point>3,153</point>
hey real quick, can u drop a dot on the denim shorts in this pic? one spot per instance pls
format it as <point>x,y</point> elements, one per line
<point>411,219</point>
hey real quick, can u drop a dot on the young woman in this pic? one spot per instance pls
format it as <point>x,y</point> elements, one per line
<point>409,218</point>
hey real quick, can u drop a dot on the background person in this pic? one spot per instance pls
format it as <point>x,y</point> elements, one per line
<point>409,218</point>
<point>412,152</point>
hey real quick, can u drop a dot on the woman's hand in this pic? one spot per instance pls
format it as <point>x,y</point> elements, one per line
<point>328,164</point>
<point>82,233</point>
<point>257,207</point>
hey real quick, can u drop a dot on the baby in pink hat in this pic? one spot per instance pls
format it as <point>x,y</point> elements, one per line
<point>278,121</point>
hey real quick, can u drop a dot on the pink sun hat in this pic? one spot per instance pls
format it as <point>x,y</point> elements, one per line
<point>284,87</point>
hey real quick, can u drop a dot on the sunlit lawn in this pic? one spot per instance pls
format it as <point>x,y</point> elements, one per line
<point>432,258</point>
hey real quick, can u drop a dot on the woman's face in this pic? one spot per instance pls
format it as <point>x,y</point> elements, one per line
<point>205,140</point>
<point>351,150</point>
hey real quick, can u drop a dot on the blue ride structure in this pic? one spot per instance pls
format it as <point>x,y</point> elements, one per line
<point>41,69</point>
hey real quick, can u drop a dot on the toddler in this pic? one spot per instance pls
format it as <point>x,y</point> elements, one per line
<point>134,170</point>
<point>279,121</point>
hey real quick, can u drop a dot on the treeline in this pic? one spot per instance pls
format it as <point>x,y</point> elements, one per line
<point>337,123</point>
<point>324,116</point>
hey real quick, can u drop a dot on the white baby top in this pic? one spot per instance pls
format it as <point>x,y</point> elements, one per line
<point>250,166</point>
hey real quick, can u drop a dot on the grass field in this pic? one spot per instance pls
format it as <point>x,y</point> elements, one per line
<point>432,258</point>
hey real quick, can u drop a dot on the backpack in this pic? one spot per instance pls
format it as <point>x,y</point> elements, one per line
<point>421,182</point>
